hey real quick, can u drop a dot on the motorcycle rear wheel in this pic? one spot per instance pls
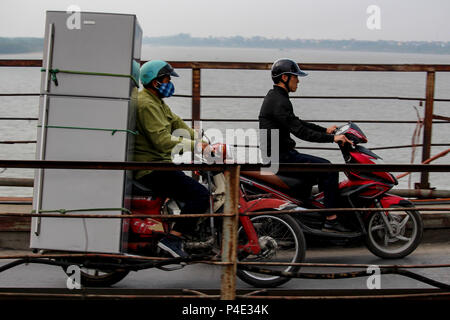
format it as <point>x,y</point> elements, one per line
<point>408,232</point>
<point>282,240</point>
<point>97,278</point>
<point>101,278</point>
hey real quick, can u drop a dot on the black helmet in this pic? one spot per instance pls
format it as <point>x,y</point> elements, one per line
<point>286,66</point>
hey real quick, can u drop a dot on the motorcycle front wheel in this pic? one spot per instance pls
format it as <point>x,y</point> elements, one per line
<point>407,227</point>
<point>281,240</point>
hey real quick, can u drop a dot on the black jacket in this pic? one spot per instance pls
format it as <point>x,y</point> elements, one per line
<point>277,113</point>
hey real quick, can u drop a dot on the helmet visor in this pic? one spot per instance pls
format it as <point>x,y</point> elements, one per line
<point>167,70</point>
<point>286,66</point>
<point>300,73</point>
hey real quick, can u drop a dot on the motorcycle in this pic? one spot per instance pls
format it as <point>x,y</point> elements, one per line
<point>387,234</point>
<point>262,238</point>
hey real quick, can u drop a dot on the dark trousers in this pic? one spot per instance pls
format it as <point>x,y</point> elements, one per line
<point>180,187</point>
<point>328,181</point>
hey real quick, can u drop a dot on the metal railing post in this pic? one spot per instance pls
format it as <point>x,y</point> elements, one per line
<point>196,80</point>
<point>195,109</point>
<point>229,234</point>
<point>428,125</point>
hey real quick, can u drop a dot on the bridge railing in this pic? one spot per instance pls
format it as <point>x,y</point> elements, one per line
<point>196,96</point>
<point>229,261</point>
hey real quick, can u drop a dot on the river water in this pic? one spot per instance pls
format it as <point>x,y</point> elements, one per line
<point>257,83</point>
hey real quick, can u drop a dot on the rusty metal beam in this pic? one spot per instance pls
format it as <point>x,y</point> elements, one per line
<point>261,97</point>
<point>64,213</point>
<point>303,167</point>
<point>320,97</point>
<point>252,263</point>
<point>341,295</point>
<point>45,214</point>
<point>20,62</point>
<point>314,66</point>
<point>440,119</point>
<point>196,90</point>
<point>428,125</point>
<point>229,235</point>
<point>20,94</point>
<point>308,120</point>
<point>416,193</point>
<point>17,118</point>
<point>268,65</point>
<point>17,141</point>
<point>343,210</point>
<point>435,116</point>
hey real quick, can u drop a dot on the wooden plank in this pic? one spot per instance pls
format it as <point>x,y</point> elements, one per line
<point>9,224</point>
<point>16,199</point>
<point>15,223</point>
<point>16,182</point>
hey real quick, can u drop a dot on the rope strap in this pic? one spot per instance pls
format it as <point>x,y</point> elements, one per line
<point>113,131</point>
<point>64,211</point>
<point>53,73</point>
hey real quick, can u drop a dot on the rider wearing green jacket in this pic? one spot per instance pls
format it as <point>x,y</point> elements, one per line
<point>156,141</point>
<point>155,124</point>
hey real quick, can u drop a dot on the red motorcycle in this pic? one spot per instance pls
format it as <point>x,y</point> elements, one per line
<point>387,234</point>
<point>263,238</point>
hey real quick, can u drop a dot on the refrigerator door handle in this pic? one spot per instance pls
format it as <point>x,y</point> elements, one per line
<point>44,118</point>
<point>49,57</point>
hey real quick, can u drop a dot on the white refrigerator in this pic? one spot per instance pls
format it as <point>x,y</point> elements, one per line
<point>89,85</point>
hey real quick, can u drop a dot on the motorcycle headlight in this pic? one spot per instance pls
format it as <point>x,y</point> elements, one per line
<point>342,129</point>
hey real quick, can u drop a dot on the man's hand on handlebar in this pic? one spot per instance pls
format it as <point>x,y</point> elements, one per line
<point>332,129</point>
<point>205,148</point>
<point>342,139</point>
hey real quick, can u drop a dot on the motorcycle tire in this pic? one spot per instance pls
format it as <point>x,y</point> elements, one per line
<point>291,244</point>
<point>408,228</point>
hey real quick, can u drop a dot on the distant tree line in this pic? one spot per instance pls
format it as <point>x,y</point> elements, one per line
<point>24,45</point>
<point>184,39</point>
<point>21,45</point>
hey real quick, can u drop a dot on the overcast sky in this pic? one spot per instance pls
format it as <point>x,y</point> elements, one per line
<point>404,20</point>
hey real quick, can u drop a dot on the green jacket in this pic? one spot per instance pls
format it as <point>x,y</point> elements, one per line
<point>155,123</point>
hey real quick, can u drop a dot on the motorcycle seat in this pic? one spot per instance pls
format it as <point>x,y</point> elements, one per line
<point>291,185</point>
<point>138,189</point>
<point>269,178</point>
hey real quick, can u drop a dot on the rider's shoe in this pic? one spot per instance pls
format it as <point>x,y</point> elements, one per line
<point>334,226</point>
<point>173,245</point>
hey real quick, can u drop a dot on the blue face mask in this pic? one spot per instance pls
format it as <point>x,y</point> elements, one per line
<point>166,89</point>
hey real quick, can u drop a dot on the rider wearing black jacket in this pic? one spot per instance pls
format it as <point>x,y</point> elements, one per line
<point>277,114</point>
